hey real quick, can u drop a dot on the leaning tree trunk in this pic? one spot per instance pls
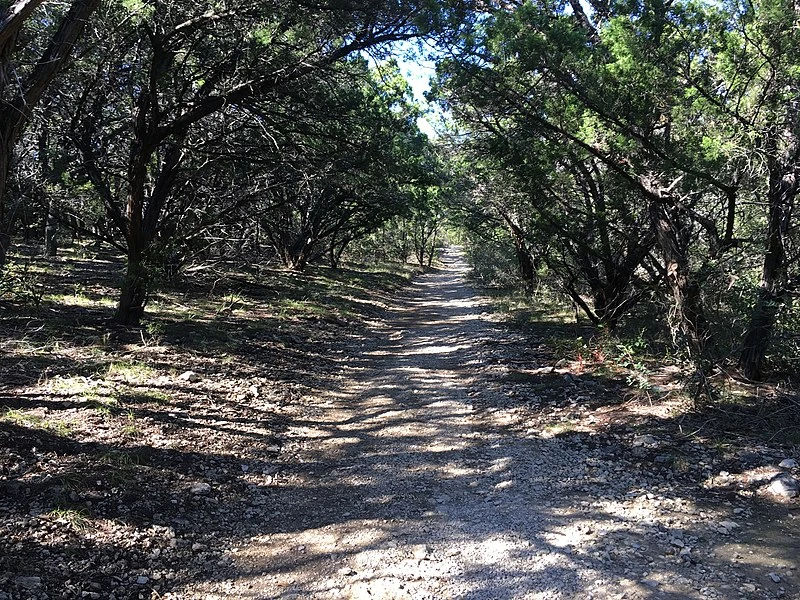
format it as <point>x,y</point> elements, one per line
<point>335,252</point>
<point>432,251</point>
<point>783,186</point>
<point>18,108</point>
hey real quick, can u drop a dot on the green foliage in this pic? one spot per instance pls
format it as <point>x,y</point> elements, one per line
<point>784,357</point>
<point>492,265</point>
<point>22,418</point>
<point>77,519</point>
<point>129,372</point>
<point>19,283</point>
<point>623,151</point>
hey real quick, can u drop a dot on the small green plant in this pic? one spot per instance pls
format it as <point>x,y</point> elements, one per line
<point>131,372</point>
<point>24,419</point>
<point>102,404</point>
<point>18,417</point>
<point>145,396</point>
<point>119,459</point>
<point>19,283</point>
<point>153,333</point>
<point>60,427</point>
<point>230,303</point>
<point>72,386</point>
<point>131,429</point>
<point>630,355</point>
<point>12,415</point>
<point>79,294</point>
<point>78,519</point>
<point>123,465</point>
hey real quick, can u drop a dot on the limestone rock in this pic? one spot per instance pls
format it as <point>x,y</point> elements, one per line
<point>189,376</point>
<point>200,488</point>
<point>784,485</point>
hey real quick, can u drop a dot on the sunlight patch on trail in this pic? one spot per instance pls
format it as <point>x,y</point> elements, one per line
<point>433,350</point>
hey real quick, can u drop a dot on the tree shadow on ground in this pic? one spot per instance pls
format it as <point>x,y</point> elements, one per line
<point>321,505</point>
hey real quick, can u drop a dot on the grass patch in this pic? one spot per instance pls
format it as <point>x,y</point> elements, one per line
<point>145,397</point>
<point>102,404</point>
<point>81,300</point>
<point>93,394</point>
<point>122,466</point>
<point>290,308</point>
<point>131,429</point>
<point>130,372</point>
<point>72,386</point>
<point>119,458</point>
<point>524,308</point>
<point>77,519</point>
<point>21,418</point>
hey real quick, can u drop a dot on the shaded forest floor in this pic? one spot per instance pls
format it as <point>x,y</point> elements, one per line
<point>235,446</point>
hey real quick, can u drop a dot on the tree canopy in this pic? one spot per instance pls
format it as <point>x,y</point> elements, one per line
<point>632,154</point>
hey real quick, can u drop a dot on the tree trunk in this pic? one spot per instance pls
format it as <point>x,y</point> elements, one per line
<point>333,259</point>
<point>336,251</point>
<point>295,248</point>
<point>686,292</point>
<point>295,257</point>
<point>783,186</point>
<point>432,249</point>
<point>298,263</point>
<point>51,232</point>
<point>527,268</point>
<point>759,331</point>
<point>133,295</point>
<point>605,309</point>
<point>50,221</point>
<point>6,147</point>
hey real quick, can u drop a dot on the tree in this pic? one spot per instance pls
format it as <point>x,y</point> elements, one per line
<point>344,166</point>
<point>761,43</point>
<point>426,220</point>
<point>21,87</point>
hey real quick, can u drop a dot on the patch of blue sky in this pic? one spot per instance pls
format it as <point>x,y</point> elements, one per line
<point>418,66</point>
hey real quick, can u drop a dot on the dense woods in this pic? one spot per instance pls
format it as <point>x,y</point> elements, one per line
<point>175,125</point>
<point>639,157</point>
<point>642,154</point>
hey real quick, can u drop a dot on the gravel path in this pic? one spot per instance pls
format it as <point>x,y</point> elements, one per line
<point>420,479</point>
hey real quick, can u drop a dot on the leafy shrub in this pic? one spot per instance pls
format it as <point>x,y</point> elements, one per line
<point>19,284</point>
<point>493,265</point>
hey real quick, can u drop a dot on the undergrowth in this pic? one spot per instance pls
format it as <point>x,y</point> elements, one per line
<point>643,358</point>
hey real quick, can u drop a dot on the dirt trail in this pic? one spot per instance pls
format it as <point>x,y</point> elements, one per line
<point>420,480</point>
